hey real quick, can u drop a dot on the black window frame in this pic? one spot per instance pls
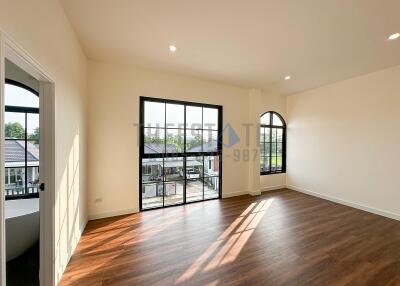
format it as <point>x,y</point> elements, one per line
<point>184,154</point>
<point>24,110</point>
<point>272,126</point>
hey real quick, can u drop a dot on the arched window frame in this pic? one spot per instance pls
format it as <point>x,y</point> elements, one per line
<point>263,141</point>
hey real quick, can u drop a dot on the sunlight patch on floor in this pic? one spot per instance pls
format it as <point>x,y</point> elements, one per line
<point>230,243</point>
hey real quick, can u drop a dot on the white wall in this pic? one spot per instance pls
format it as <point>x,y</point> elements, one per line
<point>343,141</point>
<point>113,156</point>
<point>42,29</point>
<point>13,72</point>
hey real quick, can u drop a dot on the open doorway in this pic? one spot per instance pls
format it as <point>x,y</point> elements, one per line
<point>27,150</point>
<point>21,165</point>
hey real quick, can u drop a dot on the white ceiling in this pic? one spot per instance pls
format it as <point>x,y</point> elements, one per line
<point>250,43</point>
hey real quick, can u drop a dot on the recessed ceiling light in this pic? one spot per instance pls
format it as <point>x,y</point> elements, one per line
<point>288,77</point>
<point>172,48</point>
<point>394,36</point>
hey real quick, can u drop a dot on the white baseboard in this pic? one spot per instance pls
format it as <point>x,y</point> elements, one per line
<point>255,193</point>
<point>273,188</point>
<point>380,212</point>
<point>112,213</point>
<point>234,194</point>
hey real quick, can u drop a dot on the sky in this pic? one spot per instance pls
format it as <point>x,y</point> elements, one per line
<point>155,116</point>
<point>17,96</point>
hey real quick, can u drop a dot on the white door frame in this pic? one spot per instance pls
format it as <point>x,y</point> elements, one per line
<point>16,54</point>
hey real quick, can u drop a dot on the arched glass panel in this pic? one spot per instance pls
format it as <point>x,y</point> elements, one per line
<point>265,119</point>
<point>18,96</point>
<point>276,121</point>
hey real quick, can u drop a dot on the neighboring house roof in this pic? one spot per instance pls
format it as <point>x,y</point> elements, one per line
<point>206,147</point>
<point>15,151</point>
<point>155,148</point>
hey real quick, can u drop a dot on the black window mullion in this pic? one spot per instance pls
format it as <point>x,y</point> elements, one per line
<point>284,150</point>
<point>202,179</point>
<point>26,153</point>
<point>165,153</point>
<point>270,149</point>
<point>163,182</point>
<point>185,155</point>
<point>270,141</point>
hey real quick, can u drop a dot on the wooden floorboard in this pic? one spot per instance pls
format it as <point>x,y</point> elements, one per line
<point>278,238</point>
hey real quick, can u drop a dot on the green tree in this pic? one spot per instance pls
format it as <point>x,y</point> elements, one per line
<point>35,136</point>
<point>14,130</point>
<point>175,140</point>
<point>196,141</point>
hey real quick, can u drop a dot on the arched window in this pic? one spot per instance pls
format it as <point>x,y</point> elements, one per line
<point>21,119</point>
<point>272,143</point>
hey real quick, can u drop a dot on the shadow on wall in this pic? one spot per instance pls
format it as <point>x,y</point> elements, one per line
<point>67,203</point>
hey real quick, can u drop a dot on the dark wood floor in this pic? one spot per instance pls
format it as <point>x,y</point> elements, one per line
<point>24,270</point>
<point>279,238</point>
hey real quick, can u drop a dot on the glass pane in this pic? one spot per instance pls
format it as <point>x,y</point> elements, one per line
<point>15,182</point>
<point>262,149</point>
<point>210,118</point>
<point>194,190</point>
<point>279,148</point>
<point>210,141</point>
<point>265,119</point>
<point>279,162</point>
<point>273,130</point>
<point>267,149</point>
<point>175,116</point>
<point>273,163</point>
<point>173,193</point>
<point>279,135</point>
<point>273,149</point>
<point>32,155</point>
<point>211,188</point>
<point>154,114</point>
<point>152,170</point>
<point>276,120</point>
<point>194,117</point>
<point>262,163</point>
<point>33,127</point>
<point>152,195</point>
<point>154,141</point>
<point>262,134</point>
<point>267,164</point>
<point>211,166</point>
<point>14,155</point>
<point>267,135</point>
<point>173,168</point>
<point>14,125</point>
<point>33,179</point>
<point>175,142</point>
<point>18,96</point>
<point>194,140</point>
<point>194,168</point>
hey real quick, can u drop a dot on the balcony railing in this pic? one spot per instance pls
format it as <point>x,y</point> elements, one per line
<point>16,192</point>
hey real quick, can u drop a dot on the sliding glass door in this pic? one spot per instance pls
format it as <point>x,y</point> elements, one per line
<point>180,152</point>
